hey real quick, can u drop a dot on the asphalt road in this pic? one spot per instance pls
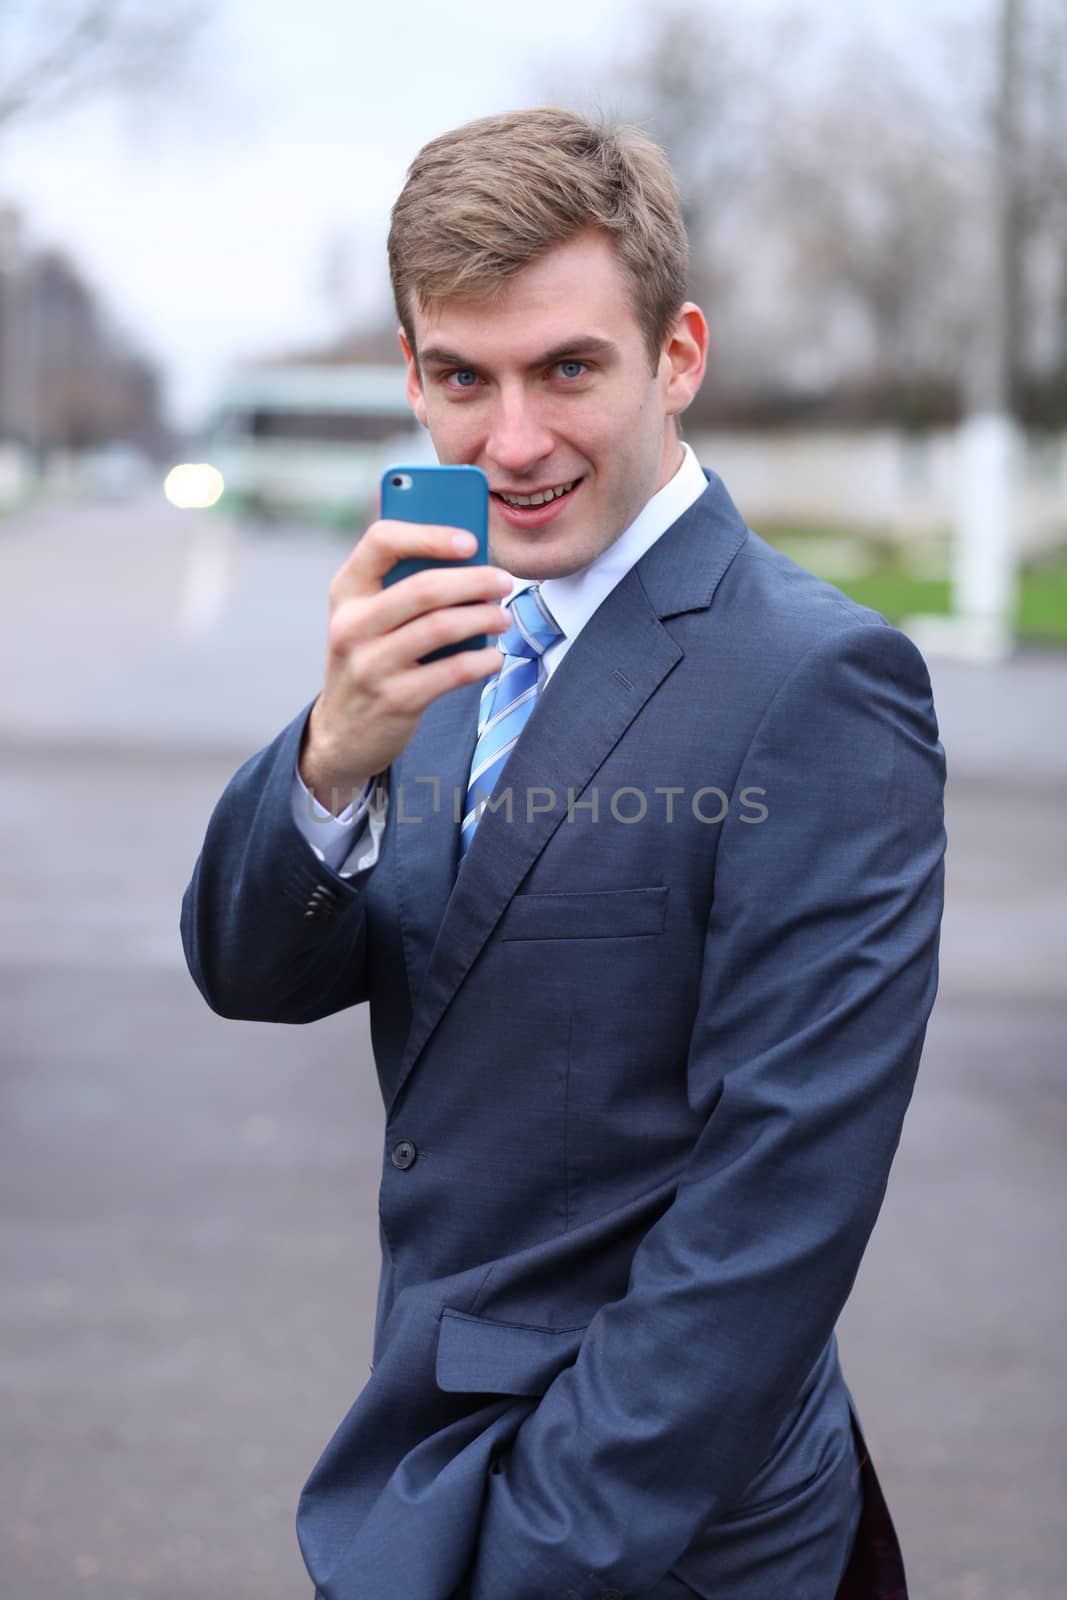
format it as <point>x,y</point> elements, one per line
<point>188,1237</point>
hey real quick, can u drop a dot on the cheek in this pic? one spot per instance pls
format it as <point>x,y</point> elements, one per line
<point>622,443</point>
<point>454,433</point>
<point>603,433</point>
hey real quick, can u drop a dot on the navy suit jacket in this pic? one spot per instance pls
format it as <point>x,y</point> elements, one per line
<point>645,1057</point>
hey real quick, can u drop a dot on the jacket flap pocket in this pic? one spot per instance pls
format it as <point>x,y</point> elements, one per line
<point>477,1356</point>
<point>586,914</point>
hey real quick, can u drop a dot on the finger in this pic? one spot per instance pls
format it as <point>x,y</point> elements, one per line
<point>434,589</point>
<point>400,649</point>
<point>386,543</point>
<point>415,689</point>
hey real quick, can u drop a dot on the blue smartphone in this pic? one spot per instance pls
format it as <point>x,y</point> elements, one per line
<point>454,497</point>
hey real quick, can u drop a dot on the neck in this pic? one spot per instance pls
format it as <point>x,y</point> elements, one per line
<point>673,456</point>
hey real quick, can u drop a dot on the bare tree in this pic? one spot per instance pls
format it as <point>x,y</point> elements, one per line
<point>58,55</point>
<point>873,205</point>
<point>55,57</point>
<point>1017,58</point>
<point>1042,180</point>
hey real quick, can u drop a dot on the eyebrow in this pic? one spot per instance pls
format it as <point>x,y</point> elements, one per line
<point>584,345</point>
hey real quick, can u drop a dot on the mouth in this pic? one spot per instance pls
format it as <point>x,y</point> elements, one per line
<point>533,510</point>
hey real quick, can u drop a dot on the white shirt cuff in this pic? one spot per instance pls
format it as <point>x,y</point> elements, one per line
<point>348,843</point>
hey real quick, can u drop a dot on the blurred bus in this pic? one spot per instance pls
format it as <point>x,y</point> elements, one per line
<point>310,443</point>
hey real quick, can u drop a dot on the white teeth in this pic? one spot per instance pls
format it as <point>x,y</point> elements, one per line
<point>538,499</point>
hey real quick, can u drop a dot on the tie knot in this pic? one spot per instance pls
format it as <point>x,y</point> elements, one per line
<point>533,627</point>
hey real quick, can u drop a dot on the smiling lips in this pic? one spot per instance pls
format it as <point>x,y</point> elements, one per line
<point>541,498</point>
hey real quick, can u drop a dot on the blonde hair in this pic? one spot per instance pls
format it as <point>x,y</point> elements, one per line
<point>487,199</point>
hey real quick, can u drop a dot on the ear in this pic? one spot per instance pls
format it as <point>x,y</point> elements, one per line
<point>684,359</point>
<point>416,399</point>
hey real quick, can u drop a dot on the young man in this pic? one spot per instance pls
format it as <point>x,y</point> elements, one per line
<point>647,1024</point>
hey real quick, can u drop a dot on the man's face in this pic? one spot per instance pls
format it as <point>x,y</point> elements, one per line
<point>547,386</point>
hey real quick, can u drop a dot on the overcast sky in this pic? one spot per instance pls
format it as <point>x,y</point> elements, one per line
<point>205,220</point>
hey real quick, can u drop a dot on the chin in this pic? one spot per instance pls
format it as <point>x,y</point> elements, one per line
<point>529,567</point>
<point>527,561</point>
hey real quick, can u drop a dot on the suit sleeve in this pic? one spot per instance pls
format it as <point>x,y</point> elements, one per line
<point>820,969</point>
<point>270,932</point>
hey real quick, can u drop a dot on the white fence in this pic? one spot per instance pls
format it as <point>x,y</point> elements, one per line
<point>902,485</point>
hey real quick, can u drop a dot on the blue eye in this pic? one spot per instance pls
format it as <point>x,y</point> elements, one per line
<point>459,379</point>
<point>572,369</point>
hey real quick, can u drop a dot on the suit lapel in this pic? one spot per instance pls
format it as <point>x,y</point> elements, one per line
<point>617,662</point>
<point>422,812</point>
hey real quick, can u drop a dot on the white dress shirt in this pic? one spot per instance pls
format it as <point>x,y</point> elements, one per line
<point>343,842</point>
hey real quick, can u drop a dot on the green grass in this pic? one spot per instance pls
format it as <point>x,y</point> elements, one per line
<point>1040,614</point>
<point>899,594</point>
<point>889,587</point>
<point>1043,604</point>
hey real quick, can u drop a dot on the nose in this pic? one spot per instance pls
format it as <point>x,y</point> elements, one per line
<point>518,438</point>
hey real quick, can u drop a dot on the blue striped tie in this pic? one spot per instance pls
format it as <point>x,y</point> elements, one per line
<point>507,700</point>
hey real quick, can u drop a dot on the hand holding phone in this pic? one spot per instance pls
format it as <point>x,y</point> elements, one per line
<point>455,497</point>
<point>404,608</point>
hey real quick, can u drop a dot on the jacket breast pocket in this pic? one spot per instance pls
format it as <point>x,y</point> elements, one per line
<point>478,1356</point>
<point>586,914</point>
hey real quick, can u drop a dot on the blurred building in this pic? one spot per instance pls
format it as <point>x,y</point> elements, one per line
<point>69,380</point>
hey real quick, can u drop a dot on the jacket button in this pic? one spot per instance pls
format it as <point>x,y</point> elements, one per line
<point>404,1155</point>
<point>322,905</point>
